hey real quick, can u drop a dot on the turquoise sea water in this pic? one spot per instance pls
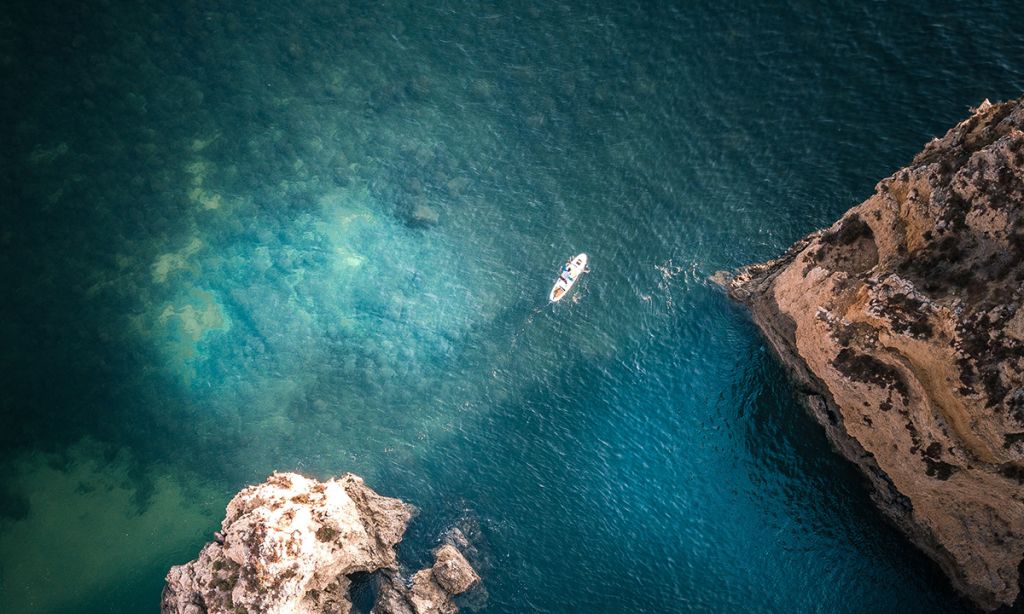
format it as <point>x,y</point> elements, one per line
<point>319,236</point>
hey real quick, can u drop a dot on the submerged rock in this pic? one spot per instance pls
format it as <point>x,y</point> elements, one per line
<point>423,215</point>
<point>903,325</point>
<point>290,545</point>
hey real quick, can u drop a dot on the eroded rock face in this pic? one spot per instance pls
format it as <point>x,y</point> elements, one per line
<point>903,325</point>
<point>289,545</point>
<point>452,571</point>
<point>432,589</point>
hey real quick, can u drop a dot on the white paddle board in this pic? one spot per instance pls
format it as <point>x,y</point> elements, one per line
<point>571,272</point>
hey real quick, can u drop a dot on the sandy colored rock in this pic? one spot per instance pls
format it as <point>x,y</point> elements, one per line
<point>429,597</point>
<point>288,546</point>
<point>432,589</point>
<point>452,571</point>
<point>903,326</point>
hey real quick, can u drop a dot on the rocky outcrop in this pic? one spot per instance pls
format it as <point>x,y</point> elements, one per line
<point>903,326</point>
<point>290,545</point>
<point>432,589</point>
<point>451,571</point>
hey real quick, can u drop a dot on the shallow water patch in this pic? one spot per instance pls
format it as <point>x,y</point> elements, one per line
<point>92,517</point>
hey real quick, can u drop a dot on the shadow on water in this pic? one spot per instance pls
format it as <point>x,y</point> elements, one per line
<point>794,462</point>
<point>363,591</point>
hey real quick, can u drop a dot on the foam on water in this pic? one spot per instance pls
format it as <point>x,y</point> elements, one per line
<point>319,237</point>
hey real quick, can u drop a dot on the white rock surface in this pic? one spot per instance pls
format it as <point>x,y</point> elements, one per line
<point>288,546</point>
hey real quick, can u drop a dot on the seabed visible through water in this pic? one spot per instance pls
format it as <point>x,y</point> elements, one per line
<point>319,236</point>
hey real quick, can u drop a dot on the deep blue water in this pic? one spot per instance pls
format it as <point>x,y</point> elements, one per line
<point>319,236</point>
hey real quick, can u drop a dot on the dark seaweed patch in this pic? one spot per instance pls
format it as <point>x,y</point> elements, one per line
<point>869,370</point>
<point>846,334</point>
<point>1011,438</point>
<point>1015,405</point>
<point>908,316</point>
<point>934,451</point>
<point>326,534</point>
<point>940,470</point>
<point>983,353</point>
<point>1014,472</point>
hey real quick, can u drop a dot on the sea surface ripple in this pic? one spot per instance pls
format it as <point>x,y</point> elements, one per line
<point>319,236</point>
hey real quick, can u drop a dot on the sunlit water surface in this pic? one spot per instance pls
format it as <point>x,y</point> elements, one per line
<point>319,236</point>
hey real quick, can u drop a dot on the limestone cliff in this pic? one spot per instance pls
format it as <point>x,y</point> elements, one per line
<point>290,545</point>
<point>903,327</point>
